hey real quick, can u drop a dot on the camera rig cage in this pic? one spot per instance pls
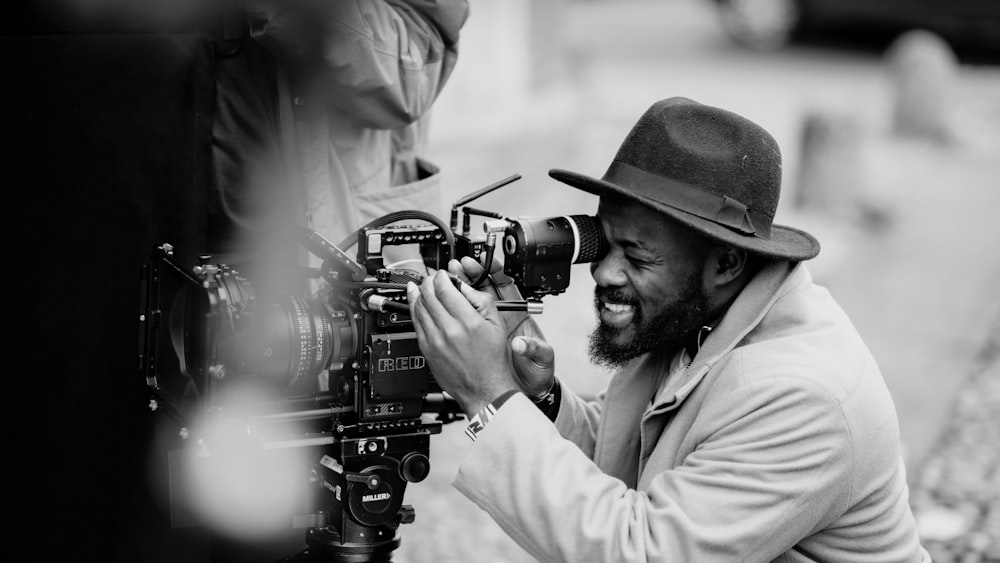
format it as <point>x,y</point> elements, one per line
<point>341,371</point>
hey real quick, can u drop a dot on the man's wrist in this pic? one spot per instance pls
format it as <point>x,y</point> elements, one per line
<point>544,395</point>
<point>548,402</point>
<point>482,417</point>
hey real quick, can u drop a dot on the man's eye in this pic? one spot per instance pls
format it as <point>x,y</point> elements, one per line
<point>636,260</point>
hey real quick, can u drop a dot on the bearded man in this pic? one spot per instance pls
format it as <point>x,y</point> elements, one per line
<point>746,421</point>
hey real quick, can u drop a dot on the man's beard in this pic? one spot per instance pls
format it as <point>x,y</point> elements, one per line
<point>668,329</point>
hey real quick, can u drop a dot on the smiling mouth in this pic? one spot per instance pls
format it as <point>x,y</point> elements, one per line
<point>616,315</point>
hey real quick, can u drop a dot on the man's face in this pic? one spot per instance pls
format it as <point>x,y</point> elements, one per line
<point>650,290</point>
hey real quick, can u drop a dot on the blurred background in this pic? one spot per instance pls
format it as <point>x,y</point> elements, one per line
<point>891,145</point>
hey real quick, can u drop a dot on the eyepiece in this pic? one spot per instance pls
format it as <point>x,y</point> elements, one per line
<point>590,242</point>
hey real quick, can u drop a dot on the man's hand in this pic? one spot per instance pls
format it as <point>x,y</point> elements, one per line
<point>531,358</point>
<point>463,338</point>
<point>534,364</point>
<point>468,270</point>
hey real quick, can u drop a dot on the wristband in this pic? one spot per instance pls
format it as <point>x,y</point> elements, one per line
<point>479,420</point>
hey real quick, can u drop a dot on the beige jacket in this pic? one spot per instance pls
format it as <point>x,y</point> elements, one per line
<point>779,443</point>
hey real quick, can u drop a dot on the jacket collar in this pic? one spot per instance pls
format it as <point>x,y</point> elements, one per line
<point>775,280</point>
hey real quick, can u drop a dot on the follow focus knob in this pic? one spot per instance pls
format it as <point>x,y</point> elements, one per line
<point>414,467</point>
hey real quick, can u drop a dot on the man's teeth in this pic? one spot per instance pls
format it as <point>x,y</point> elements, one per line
<point>618,308</point>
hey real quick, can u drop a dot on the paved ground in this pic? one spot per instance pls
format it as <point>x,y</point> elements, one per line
<point>956,490</point>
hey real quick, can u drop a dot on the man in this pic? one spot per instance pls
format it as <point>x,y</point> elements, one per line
<point>747,421</point>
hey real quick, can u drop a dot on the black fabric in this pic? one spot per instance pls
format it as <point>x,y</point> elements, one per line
<point>720,209</point>
<point>708,147</point>
<point>251,183</point>
<point>108,152</point>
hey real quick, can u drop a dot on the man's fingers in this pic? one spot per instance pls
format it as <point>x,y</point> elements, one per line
<point>471,268</point>
<point>458,269</point>
<point>534,349</point>
<point>479,300</point>
<point>496,266</point>
<point>454,302</point>
<point>417,311</point>
<point>436,315</point>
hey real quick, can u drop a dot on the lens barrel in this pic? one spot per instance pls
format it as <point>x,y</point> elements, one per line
<point>539,251</point>
<point>282,339</point>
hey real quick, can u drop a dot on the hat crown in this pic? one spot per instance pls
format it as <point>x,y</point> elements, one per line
<point>707,148</point>
<point>707,168</point>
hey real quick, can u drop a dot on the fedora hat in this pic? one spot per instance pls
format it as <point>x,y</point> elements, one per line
<point>710,169</point>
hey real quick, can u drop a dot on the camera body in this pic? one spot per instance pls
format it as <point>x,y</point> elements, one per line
<point>337,372</point>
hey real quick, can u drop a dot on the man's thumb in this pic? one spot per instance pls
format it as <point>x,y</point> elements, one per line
<point>534,349</point>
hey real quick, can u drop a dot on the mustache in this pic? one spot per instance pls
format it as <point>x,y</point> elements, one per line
<point>615,295</point>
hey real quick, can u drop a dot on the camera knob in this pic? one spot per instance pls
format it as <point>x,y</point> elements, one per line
<point>414,467</point>
<point>406,514</point>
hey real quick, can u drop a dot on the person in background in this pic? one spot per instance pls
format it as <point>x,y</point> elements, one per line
<point>746,419</point>
<point>323,116</point>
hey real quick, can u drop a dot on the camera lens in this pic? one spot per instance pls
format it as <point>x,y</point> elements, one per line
<point>282,339</point>
<point>296,341</point>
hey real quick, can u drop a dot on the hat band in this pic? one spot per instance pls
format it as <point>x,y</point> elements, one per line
<point>722,210</point>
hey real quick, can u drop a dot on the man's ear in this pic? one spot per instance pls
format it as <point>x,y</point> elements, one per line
<point>726,263</point>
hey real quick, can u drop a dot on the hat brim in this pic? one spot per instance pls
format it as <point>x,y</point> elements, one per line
<point>786,243</point>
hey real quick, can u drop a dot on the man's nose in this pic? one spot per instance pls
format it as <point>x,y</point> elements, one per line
<point>607,272</point>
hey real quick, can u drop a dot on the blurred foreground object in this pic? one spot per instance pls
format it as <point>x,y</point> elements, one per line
<point>771,24</point>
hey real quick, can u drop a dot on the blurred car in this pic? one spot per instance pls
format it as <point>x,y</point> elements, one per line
<point>771,24</point>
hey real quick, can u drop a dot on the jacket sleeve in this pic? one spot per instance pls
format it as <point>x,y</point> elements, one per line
<point>578,420</point>
<point>776,465</point>
<point>383,62</point>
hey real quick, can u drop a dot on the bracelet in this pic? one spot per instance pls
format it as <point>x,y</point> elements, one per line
<point>546,398</point>
<point>479,420</point>
<point>548,402</point>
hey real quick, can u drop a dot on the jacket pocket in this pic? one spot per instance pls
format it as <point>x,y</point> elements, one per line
<point>423,194</point>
